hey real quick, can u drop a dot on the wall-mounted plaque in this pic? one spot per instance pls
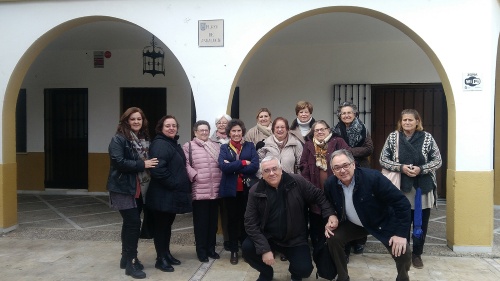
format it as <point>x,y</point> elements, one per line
<point>211,33</point>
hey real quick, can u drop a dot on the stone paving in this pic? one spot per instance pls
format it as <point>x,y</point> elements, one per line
<point>76,237</point>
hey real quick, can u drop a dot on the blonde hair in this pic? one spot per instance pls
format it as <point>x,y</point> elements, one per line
<point>415,114</point>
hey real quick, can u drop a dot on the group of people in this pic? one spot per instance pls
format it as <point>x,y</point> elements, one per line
<point>272,188</point>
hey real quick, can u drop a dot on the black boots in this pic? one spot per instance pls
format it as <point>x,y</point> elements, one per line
<point>123,263</point>
<point>163,265</point>
<point>171,259</point>
<point>132,269</point>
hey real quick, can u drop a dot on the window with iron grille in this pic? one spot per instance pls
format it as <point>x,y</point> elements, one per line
<point>358,94</point>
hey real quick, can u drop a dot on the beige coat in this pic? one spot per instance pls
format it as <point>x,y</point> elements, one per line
<point>289,155</point>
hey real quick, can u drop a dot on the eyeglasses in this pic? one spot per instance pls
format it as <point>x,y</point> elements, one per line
<point>344,166</point>
<point>269,170</point>
<point>221,123</point>
<point>321,130</point>
<point>203,131</point>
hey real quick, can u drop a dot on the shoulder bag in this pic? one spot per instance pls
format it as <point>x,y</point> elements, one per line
<point>394,177</point>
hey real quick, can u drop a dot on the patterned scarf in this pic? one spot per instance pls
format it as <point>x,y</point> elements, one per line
<point>355,135</point>
<point>210,147</point>
<point>143,178</point>
<point>321,148</point>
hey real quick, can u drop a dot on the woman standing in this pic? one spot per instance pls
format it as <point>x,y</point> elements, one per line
<point>202,166</point>
<point>262,130</point>
<point>355,134</point>
<point>170,191</point>
<point>283,145</point>
<point>419,158</point>
<point>301,126</point>
<point>316,168</point>
<point>219,134</point>
<point>238,161</point>
<point>128,181</point>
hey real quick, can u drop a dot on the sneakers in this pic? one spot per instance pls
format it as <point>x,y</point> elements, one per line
<point>417,261</point>
<point>132,269</point>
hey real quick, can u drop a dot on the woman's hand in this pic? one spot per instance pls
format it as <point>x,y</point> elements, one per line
<point>410,170</point>
<point>151,163</point>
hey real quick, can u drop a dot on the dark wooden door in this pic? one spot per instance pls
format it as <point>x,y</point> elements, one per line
<point>429,100</point>
<point>66,138</point>
<point>152,101</point>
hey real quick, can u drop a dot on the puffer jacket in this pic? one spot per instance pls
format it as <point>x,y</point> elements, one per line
<point>125,163</point>
<point>170,189</point>
<point>382,209</point>
<point>289,155</point>
<point>299,193</point>
<point>204,171</point>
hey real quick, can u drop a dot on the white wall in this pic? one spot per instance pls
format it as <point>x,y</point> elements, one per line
<point>75,69</point>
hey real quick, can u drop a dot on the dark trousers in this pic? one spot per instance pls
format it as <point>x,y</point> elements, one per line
<point>163,232</point>
<point>418,244</point>
<point>235,208</point>
<point>298,256</point>
<point>205,215</point>
<point>131,230</point>
<point>348,231</point>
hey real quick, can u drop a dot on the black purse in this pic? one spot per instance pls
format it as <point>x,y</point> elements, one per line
<point>325,268</point>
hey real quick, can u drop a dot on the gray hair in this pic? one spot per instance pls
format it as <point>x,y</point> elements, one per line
<point>342,152</point>
<point>270,158</point>
<point>225,116</point>
<point>345,104</point>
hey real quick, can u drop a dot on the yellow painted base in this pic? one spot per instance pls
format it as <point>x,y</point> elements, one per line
<point>98,171</point>
<point>469,210</point>
<point>8,197</point>
<point>30,171</point>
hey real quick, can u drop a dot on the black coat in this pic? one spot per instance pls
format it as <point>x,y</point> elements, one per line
<point>299,193</point>
<point>170,188</point>
<point>382,208</point>
<point>125,163</point>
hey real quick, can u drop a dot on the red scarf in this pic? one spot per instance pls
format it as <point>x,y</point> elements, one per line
<point>237,147</point>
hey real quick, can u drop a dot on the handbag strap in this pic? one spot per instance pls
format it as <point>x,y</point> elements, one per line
<point>397,146</point>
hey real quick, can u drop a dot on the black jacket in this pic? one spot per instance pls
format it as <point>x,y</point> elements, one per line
<point>125,163</point>
<point>170,188</point>
<point>382,208</point>
<point>299,193</point>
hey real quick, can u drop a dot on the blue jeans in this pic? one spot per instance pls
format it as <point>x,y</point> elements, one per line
<point>298,256</point>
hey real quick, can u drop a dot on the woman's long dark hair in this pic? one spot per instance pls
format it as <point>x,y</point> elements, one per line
<point>124,128</point>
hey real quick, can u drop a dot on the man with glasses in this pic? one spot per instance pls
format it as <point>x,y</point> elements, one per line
<point>274,220</point>
<point>366,202</point>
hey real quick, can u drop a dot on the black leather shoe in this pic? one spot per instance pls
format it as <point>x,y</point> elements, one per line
<point>163,265</point>
<point>359,248</point>
<point>171,260</point>
<point>205,259</point>
<point>123,263</point>
<point>132,269</point>
<point>283,258</point>
<point>214,255</point>
<point>234,258</point>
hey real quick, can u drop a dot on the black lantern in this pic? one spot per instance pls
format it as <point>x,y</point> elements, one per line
<point>152,59</point>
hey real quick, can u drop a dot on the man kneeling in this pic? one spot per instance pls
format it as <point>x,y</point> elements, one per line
<point>275,221</point>
<point>366,202</point>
